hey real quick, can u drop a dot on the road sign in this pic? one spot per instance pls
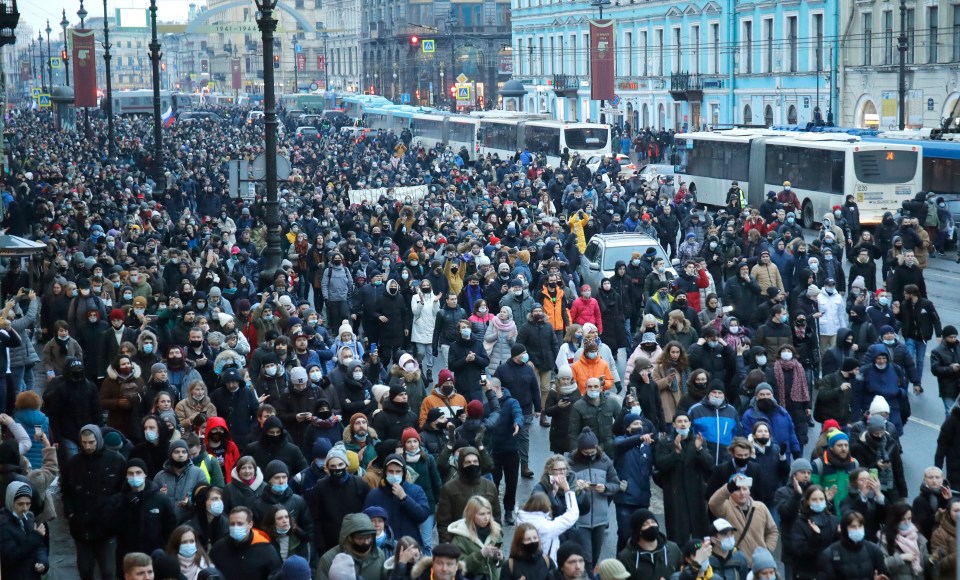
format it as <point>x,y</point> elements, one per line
<point>298,48</point>
<point>259,169</point>
<point>35,92</point>
<point>44,100</point>
<point>404,97</point>
<point>462,78</point>
<point>301,62</point>
<point>463,93</point>
<point>929,104</point>
<point>428,45</point>
<point>56,62</point>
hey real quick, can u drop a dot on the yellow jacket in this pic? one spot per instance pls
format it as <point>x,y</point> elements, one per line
<point>576,226</point>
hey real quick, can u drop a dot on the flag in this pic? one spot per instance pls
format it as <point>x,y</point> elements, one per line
<point>168,117</point>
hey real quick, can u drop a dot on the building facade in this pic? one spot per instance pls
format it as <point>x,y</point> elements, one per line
<point>682,66</point>
<point>413,51</point>
<point>342,20</point>
<point>871,63</point>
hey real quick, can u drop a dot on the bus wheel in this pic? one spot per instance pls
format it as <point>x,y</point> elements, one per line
<point>806,216</point>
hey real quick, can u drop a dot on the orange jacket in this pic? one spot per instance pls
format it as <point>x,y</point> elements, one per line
<point>456,403</point>
<point>557,314</point>
<point>587,368</point>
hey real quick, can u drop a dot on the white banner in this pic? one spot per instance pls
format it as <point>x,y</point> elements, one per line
<point>415,193</point>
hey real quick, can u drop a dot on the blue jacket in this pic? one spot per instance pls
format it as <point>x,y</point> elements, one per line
<point>781,425</point>
<point>502,438</point>
<point>403,517</point>
<point>890,383</point>
<point>634,465</point>
<point>523,383</point>
<point>718,426</point>
<point>30,419</point>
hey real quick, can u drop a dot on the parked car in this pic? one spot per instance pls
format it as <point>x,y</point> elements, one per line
<point>605,250</point>
<point>192,116</point>
<point>306,134</point>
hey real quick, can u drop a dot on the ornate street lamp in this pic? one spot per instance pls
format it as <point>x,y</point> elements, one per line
<point>43,72</point>
<point>49,55</point>
<point>268,25</point>
<point>82,15</point>
<point>64,23</point>
<point>157,131</point>
<point>106,59</point>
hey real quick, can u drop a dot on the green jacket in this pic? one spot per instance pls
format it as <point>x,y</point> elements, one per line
<point>470,546</point>
<point>600,418</point>
<point>827,474</point>
<point>369,567</point>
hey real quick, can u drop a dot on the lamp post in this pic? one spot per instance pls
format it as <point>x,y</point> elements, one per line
<point>157,130</point>
<point>443,89</point>
<point>49,55</point>
<point>600,4</point>
<point>33,56</point>
<point>106,59</point>
<point>43,74</point>
<point>268,26</point>
<point>9,18</point>
<point>902,72</point>
<point>326,64</point>
<point>66,51</point>
<point>296,65</point>
<point>82,15</point>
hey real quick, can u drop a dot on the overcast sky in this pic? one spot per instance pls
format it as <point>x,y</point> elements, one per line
<point>36,12</point>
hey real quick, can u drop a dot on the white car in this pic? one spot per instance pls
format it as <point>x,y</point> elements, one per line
<point>627,167</point>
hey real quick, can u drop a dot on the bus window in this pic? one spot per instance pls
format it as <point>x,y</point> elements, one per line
<point>544,140</point>
<point>885,166</point>
<point>806,168</point>
<point>941,175</point>
<point>500,136</point>
<point>586,138</point>
<point>717,159</point>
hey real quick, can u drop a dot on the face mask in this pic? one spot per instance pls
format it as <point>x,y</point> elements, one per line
<point>856,536</point>
<point>136,482</point>
<point>92,319</point>
<point>315,376</point>
<point>784,318</point>
<point>741,462</point>
<point>518,293</point>
<point>761,360</point>
<point>593,394</point>
<point>734,330</point>
<point>712,343</point>
<point>650,534</point>
<point>635,262</point>
<point>814,267</point>
<point>358,375</point>
<point>127,296</point>
<point>471,472</point>
<point>482,310</point>
<point>525,358</point>
<point>818,506</point>
<point>188,550</point>
<point>715,401</point>
<point>885,301</point>
<point>279,487</point>
<point>238,533</point>
<point>880,366</point>
<point>466,333</point>
<point>586,295</point>
<point>151,436</point>
<point>661,270</point>
<point>592,354</point>
<point>270,371</point>
<point>346,361</point>
<point>394,479</point>
<point>683,432</point>
<point>216,507</point>
<point>790,220</point>
<point>268,317</point>
<point>786,355</point>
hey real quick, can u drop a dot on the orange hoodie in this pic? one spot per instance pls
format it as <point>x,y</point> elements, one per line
<point>586,368</point>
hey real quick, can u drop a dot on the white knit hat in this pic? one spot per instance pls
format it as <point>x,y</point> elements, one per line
<point>879,405</point>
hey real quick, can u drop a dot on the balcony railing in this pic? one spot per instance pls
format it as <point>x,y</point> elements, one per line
<point>682,82</point>
<point>565,82</point>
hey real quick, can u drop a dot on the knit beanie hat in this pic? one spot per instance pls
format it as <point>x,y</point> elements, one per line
<point>879,405</point>
<point>835,437</point>
<point>587,439</point>
<point>799,464</point>
<point>475,410</point>
<point>409,433</point>
<point>763,560</point>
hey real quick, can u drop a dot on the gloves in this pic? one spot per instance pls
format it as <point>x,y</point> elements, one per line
<point>783,449</point>
<point>619,386</point>
<point>732,486</point>
<point>436,351</point>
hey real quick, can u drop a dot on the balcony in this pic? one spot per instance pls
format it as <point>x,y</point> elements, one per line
<point>566,85</point>
<point>686,87</point>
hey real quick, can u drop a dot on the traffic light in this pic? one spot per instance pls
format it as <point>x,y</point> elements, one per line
<point>418,94</point>
<point>276,61</point>
<point>414,40</point>
<point>373,90</point>
<point>63,54</point>
<point>481,101</point>
<point>163,66</point>
<point>453,91</point>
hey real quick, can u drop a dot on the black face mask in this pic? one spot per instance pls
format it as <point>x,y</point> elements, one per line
<point>741,463</point>
<point>338,474</point>
<point>471,472</point>
<point>76,374</point>
<point>196,343</point>
<point>447,390</point>
<point>179,464</point>
<point>532,548</point>
<point>361,548</point>
<point>650,534</point>
<point>325,414</point>
<point>766,405</point>
<point>273,439</point>
<point>762,440</point>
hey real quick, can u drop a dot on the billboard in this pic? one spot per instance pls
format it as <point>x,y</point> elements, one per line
<point>84,67</point>
<point>601,59</point>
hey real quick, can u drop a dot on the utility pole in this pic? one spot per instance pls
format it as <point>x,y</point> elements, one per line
<point>157,127</point>
<point>111,148</point>
<point>902,73</point>
<point>66,49</point>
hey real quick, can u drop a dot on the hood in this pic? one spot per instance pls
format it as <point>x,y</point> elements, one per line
<point>226,357</point>
<point>877,349</point>
<point>96,433</point>
<point>112,373</point>
<point>861,311</point>
<point>464,451</point>
<point>354,524</point>
<point>143,336</point>
<point>214,422</point>
<point>842,334</point>
<point>12,492</point>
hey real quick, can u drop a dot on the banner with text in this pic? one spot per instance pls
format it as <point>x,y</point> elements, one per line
<point>415,193</point>
<point>601,60</point>
<point>84,68</point>
<point>235,74</point>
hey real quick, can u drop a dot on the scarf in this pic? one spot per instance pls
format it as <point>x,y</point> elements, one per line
<point>907,542</point>
<point>800,332</point>
<point>507,326</point>
<point>798,387</point>
<point>189,567</point>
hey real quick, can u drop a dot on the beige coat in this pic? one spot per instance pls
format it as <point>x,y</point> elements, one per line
<point>762,532</point>
<point>767,275</point>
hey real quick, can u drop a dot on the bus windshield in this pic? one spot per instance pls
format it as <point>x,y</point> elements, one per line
<point>885,166</point>
<point>586,138</point>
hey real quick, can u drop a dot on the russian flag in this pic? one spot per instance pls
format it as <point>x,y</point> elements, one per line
<point>168,117</point>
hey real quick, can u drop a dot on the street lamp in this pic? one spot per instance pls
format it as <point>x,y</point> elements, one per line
<point>326,63</point>
<point>155,65</point>
<point>82,15</point>
<point>43,74</point>
<point>599,4</point>
<point>66,51</point>
<point>902,72</point>
<point>49,55</point>
<point>296,65</point>
<point>267,26</point>
<point>106,59</point>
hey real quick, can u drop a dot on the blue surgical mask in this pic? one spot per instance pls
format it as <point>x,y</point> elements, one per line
<point>148,348</point>
<point>728,543</point>
<point>856,536</point>
<point>465,332</point>
<point>818,506</point>
<point>889,341</point>
<point>593,394</point>
<point>136,482</point>
<point>394,479</point>
<point>279,487</point>
<point>216,507</point>
<point>712,343</point>
<point>188,550</point>
<point>151,436</point>
<point>884,301</point>
<point>715,401</point>
<point>525,358</point>
<point>283,531</point>
<point>683,432</point>
<point>784,318</point>
<point>238,533</point>
<point>592,354</point>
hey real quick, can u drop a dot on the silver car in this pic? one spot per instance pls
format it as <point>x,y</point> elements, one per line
<point>605,250</point>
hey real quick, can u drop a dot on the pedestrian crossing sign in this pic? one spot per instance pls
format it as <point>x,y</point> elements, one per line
<point>44,100</point>
<point>35,92</point>
<point>56,62</point>
<point>463,93</point>
<point>428,46</point>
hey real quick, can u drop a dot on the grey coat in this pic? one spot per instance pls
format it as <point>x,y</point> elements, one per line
<point>180,487</point>
<point>336,283</point>
<point>498,346</point>
<point>25,354</point>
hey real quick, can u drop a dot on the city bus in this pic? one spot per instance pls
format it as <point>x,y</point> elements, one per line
<point>504,136</point>
<point>941,157</point>
<point>355,105</point>
<point>139,102</point>
<point>823,168</point>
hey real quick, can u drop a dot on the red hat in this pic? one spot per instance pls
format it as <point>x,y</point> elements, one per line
<point>645,217</point>
<point>409,433</point>
<point>830,424</point>
<point>494,240</point>
<point>117,314</point>
<point>836,207</point>
<point>235,250</point>
<point>475,410</point>
<point>444,376</point>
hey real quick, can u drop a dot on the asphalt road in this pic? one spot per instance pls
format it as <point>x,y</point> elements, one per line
<point>919,439</point>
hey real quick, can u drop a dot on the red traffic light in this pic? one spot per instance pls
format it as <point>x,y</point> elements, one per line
<point>414,40</point>
<point>453,90</point>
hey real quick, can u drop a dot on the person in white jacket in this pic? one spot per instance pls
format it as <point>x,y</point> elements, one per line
<point>538,513</point>
<point>425,306</point>
<point>830,303</point>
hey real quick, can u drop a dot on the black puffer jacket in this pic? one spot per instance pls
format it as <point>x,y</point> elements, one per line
<point>844,560</point>
<point>392,419</point>
<point>541,342</point>
<point>146,520</point>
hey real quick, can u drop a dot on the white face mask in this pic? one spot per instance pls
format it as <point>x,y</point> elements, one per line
<point>315,376</point>
<point>761,360</point>
<point>358,375</point>
<point>786,355</point>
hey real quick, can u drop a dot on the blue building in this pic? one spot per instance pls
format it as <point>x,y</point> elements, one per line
<point>682,65</point>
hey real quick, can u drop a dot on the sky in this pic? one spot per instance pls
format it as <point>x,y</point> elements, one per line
<point>36,12</point>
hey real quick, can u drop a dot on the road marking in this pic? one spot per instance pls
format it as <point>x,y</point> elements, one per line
<point>933,426</point>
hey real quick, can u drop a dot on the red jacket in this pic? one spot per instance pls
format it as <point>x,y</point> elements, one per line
<point>586,310</point>
<point>231,454</point>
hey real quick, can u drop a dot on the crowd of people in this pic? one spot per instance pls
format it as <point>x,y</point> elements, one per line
<point>368,408</point>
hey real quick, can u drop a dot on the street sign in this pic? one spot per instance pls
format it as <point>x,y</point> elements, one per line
<point>463,93</point>
<point>298,48</point>
<point>35,92</point>
<point>929,104</point>
<point>259,169</point>
<point>615,101</point>
<point>44,100</point>
<point>404,97</point>
<point>314,86</point>
<point>428,45</point>
<point>462,78</point>
<point>56,62</point>
<point>301,62</point>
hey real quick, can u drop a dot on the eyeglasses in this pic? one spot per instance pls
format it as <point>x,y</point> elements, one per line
<point>560,470</point>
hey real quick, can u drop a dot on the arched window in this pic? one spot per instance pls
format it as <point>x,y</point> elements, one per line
<point>747,115</point>
<point>792,115</point>
<point>768,116</point>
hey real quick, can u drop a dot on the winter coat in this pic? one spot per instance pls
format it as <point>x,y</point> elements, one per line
<point>393,307</point>
<point>552,528</point>
<point>683,479</point>
<point>237,493</point>
<point>832,401</point>
<point>717,425</point>
<point>613,313</point>
<point>889,383</point>
<point>560,416</point>
<point>829,471</point>
<point>762,530</point>
<point>897,567</point>
<point>70,405</point>
<point>497,344</point>
<point>541,342</point>
<point>293,502</point>
<point>523,383</point>
<point>252,558</point>
<point>455,494</point>
<point>180,487</point>
<point>404,516</point>
<point>145,520</point>
<point>598,470</point>
<point>239,409</point>
<point>634,464</point>
<point>25,354</point>
<point>803,545</point>
<point>943,544</point>
<point>844,560</point>
<point>330,503</point>
<point>424,317</point>
<point>600,417</point>
<point>470,546</point>
<point>586,310</point>
<point>869,452</point>
<point>661,562</point>
<point>30,419</point>
<point>90,486</point>
<point>113,389</point>
<point>925,509</point>
<point>781,426</point>
<point>392,419</point>
<point>21,549</point>
<point>948,378</point>
<point>264,451</point>
<point>467,373</point>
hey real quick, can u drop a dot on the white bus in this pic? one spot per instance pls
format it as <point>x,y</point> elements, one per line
<point>822,168</point>
<point>504,136</point>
